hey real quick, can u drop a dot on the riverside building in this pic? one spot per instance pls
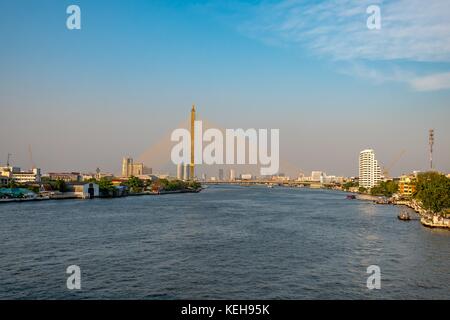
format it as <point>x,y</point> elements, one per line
<point>19,176</point>
<point>369,170</point>
<point>130,168</point>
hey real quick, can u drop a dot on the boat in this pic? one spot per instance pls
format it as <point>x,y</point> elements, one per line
<point>404,216</point>
<point>351,197</point>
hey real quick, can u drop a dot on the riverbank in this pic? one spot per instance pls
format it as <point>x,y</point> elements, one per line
<point>427,219</point>
<point>72,196</point>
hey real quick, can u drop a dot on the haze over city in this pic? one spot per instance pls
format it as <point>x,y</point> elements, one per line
<point>84,99</point>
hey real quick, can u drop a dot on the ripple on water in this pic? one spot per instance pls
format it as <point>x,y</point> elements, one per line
<point>225,242</point>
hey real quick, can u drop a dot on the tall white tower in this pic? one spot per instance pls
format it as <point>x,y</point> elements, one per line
<point>369,170</point>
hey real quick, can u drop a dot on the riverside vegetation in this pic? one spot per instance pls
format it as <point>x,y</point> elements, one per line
<point>132,185</point>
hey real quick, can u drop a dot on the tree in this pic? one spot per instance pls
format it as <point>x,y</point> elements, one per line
<point>135,184</point>
<point>194,185</point>
<point>385,188</point>
<point>105,186</point>
<point>362,190</point>
<point>12,184</point>
<point>349,184</point>
<point>433,190</point>
<point>60,185</point>
<point>34,188</point>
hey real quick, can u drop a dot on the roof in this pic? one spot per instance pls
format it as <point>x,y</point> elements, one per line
<point>15,191</point>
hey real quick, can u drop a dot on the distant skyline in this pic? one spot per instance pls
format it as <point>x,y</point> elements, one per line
<point>86,98</point>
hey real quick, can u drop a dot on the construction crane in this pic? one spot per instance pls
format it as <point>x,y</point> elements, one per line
<point>387,169</point>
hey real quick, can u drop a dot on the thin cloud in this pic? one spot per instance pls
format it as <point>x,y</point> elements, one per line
<point>438,81</point>
<point>430,82</point>
<point>411,30</point>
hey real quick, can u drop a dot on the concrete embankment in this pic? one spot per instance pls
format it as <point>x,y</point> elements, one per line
<point>435,221</point>
<point>426,218</point>
<point>366,197</point>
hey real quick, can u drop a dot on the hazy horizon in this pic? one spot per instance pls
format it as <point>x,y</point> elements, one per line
<point>86,98</point>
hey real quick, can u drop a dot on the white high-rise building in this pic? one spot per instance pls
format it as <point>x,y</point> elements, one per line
<point>369,170</point>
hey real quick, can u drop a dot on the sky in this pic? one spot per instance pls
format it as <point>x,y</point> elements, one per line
<point>85,98</point>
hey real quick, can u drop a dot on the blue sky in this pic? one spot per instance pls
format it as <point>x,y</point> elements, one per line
<point>85,98</point>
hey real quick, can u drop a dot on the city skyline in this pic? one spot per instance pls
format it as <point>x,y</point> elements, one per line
<point>83,100</point>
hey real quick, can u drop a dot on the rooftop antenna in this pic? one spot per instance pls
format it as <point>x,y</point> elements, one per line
<point>7,161</point>
<point>431,143</point>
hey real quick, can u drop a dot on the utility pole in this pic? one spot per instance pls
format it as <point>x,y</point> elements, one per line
<point>431,143</point>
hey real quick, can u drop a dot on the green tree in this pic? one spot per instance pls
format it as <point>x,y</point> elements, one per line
<point>60,185</point>
<point>162,183</point>
<point>362,190</point>
<point>105,186</point>
<point>135,184</point>
<point>194,185</point>
<point>433,190</point>
<point>349,184</point>
<point>12,184</point>
<point>34,188</point>
<point>385,188</point>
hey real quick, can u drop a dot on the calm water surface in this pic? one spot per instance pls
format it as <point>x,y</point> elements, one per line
<point>226,242</point>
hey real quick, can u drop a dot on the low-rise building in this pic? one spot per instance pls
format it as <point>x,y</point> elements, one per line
<point>96,176</point>
<point>407,185</point>
<point>4,181</point>
<point>65,176</point>
<point>19,176</point>
<point>86,190</point>
<point>8,193</point>
<point>280,178</point>
<point>130,168</point>
<point>28,176</point>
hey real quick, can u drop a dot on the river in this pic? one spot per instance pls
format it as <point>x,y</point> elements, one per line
<point>227,242</point>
